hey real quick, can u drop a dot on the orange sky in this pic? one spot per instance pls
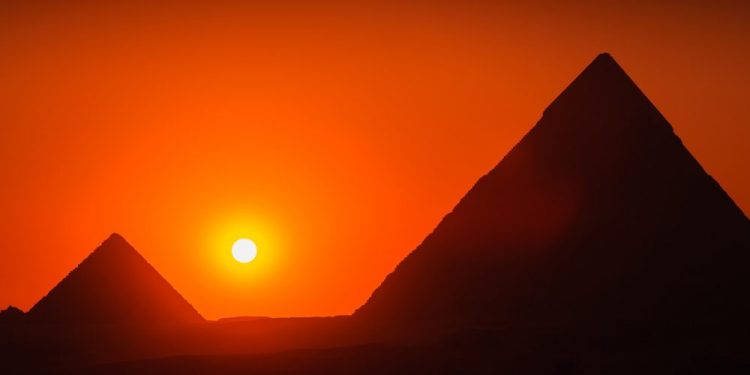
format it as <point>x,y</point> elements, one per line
<point>336,136</point>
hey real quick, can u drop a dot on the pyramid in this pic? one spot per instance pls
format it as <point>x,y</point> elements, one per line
<point>116,286</point>
<point>598,216</point>
<point>10,315</point>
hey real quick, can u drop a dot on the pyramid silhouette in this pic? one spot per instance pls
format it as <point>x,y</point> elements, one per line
<point>114,285</point>
<point>598,215</point>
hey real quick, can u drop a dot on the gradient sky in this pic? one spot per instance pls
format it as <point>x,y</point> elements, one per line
<point>335,136</point>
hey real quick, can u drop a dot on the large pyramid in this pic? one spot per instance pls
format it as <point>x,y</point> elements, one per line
<point>599,216</point>
<point>114,285</point>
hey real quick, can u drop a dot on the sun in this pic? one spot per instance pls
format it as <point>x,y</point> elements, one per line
<point>244,250</point>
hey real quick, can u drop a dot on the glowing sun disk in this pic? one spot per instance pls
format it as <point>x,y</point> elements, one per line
<point>244,250</point>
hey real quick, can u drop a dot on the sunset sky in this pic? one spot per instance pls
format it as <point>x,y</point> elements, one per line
<point>335,136</point>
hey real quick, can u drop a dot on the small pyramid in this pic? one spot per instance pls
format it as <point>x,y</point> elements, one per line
<point>11,314</point>
<point>114,285</point>
<point>599,214</point>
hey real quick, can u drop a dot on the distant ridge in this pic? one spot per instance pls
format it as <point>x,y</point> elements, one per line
<point>114,285</point>
<point>598,217</point>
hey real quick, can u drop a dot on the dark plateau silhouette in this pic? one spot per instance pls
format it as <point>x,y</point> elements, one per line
<point>597,245</point>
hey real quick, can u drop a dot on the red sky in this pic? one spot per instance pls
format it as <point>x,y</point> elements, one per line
<point>335,136</point>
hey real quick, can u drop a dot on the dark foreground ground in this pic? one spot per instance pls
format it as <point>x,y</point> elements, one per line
<point>336,346</point>
<point>333,346</point>
<point>475,353</point>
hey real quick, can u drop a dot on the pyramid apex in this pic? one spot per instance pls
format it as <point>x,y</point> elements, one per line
<point>605,59</point>
<point>602,60</point>
<point>114,236</point>
<point>115,239</point>
<point>604,89</point>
